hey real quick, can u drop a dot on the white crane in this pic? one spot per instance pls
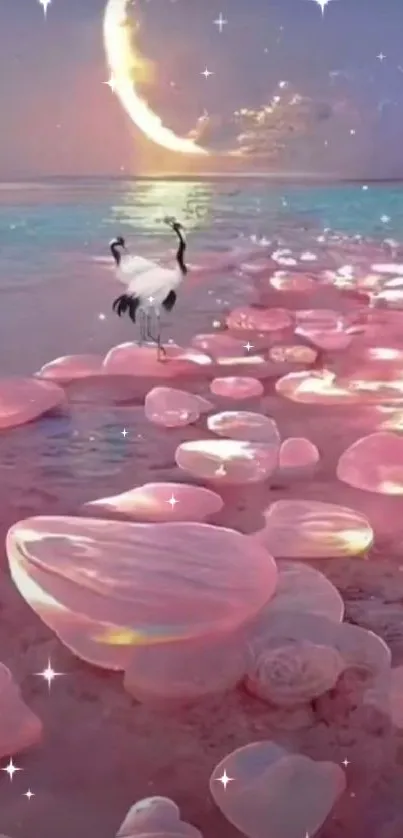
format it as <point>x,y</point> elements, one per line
<point>149,285</point>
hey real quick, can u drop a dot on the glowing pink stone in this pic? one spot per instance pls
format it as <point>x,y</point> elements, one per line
<point>186,669</point>
<point>291,792</point>
<point>316,388</point>
<point>330,340</point>
<point>155,502</point>
<point>294,673</point>
<point>318,319</point>
<point>172,408</point>
<point>25,399</point>
<point>237,387</point>
<point>374,464</point>
<point>292,354</point>
<point>105,587</point>
<point>241,424</point>
<point>259,320</point>
<point>135,360</point>
<point>228,461</point>
<point>282,281</point>
<point>19,727</point>
<point>156,817</point>
<point>71,367</point>
<point>219,345</point>
<point>298,456</point>
<point>310,529</point>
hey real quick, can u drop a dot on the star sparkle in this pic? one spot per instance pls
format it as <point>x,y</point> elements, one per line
<point>124,433</point>
<point>11,769</point>
<point>381,57</point>
<point>45,5</point>
<point>224,779</point>
<point>206,73</point>
<point>172,501</point>
<point>111,84</point>
<point>28,794</point>
<point>49,674</point>
<point>248,346</point>
<point>322,5</point>
<point>220,22</point>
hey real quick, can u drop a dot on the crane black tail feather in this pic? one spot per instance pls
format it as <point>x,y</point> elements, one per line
<point>126,303</point>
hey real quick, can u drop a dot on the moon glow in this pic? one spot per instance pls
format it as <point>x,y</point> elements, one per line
<point>121,54</point>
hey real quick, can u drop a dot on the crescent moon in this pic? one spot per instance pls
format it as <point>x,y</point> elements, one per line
<point>119,50</point>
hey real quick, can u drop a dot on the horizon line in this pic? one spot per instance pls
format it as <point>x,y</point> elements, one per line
<point>281,177</point>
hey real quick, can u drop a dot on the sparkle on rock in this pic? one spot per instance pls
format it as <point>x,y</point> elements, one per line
<point>111,83</point>
<point>346,762</point>
<point>10,769</point>
<point>206,73</point>
<point>49,673</point>
<point>248,346</point>
<point>124,433</point>
<point>29,794</point>
<point>172,501</point>
<point>224,779</point>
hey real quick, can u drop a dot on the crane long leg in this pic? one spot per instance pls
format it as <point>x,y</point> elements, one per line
<point>142,326</point>
<point>160,349</point>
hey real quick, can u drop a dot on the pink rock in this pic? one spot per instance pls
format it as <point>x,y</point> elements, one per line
<point>156,817</point>
<point>259,320</point>
<point>310,529</point>
<point>374,464</point>
<point>302,588</point>
<point>186,669</point>
<point>298,456</point>
<point>156,502</point>
<point>241,424</point>
<point>132,359</point>
<point>237,387</point>
<point>283,281</point>
<point>293,354</point>
<point>260,267</point>
<point>71,367</point>
<point>103,389</point>
<point>172,408</point>
<point>318,319</point>
<point>105,586</point>
<point>358,647</point>
<point>219,345</point>
<point>386,693</point>
<point>265,779</point>
<point>330,340</point>
<point>295,673</point>
<point>25,399</point>
<point>19,727</point>
<point>316,388</point>
<point>227,460</point>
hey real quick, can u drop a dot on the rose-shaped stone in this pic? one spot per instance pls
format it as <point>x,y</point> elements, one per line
<point>294,673</point>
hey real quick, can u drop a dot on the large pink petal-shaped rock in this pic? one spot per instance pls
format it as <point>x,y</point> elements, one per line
<point>156,502</point>
<point>105,586</point>
<point>358,647</point>
<point>302,588</point>
<point>227,460</point>
<point>293,354</point>
<point>272,794</point>
<point>156,817</point>
<point>19,727</point>
<point>237,387</point>
<point>298,457</point>
<point>310,529</point>
<point>186,669</point>
<point>142,361</point>
<point>294,674</point>
<point>25,399</point>
<point>219,345</point>
<point>172,408</point>
<point>240,424</point>
<point>316,388</point>
<point>70,367</point>
<point>374,464</point>
<point>259,320</point>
